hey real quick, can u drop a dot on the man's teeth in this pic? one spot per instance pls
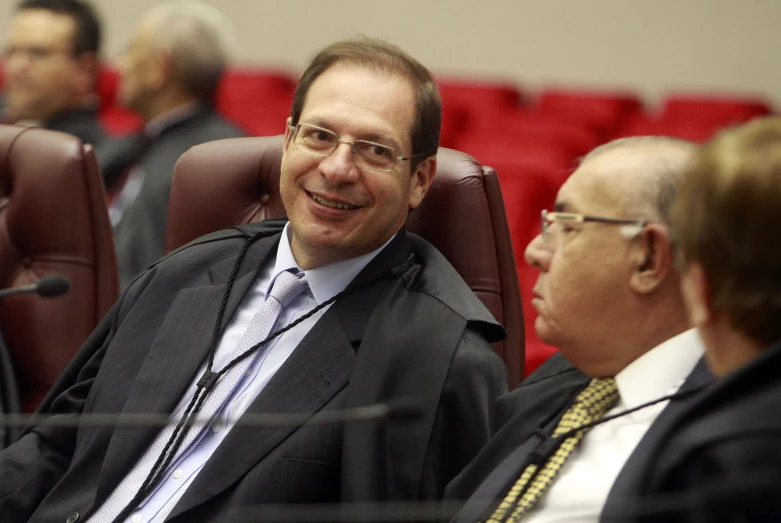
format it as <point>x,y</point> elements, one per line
<point>329,203</point>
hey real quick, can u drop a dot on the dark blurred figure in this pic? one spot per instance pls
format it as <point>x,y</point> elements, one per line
<point>724,455</point>
<point>51,66</point>
<point>169,74</point>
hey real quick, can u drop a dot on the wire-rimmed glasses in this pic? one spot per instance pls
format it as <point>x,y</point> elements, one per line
<point>630,228</point>
<point>366,155</point>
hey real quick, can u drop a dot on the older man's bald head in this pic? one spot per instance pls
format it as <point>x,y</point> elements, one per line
<point>643,172</point>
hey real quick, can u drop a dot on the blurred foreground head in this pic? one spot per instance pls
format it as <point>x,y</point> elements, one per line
<point>727,224</point>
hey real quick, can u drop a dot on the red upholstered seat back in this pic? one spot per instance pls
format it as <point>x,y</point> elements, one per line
<point>53,220</point>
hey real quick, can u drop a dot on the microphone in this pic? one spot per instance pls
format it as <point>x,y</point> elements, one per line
<point>397,411</point>
<point>47,287</point>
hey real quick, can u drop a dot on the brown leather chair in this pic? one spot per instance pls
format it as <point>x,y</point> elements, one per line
<point>53,220</point>
<point>228,182</point>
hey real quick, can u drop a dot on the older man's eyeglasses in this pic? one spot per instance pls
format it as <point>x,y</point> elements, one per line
<point>552,222</point>
<point>366,155</point>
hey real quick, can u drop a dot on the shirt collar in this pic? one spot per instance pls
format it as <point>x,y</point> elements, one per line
<point>172,117</point>
<point>327,281</point>
<point>660,370</point>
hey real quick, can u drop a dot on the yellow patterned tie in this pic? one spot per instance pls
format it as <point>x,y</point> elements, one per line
<point>590,405</point>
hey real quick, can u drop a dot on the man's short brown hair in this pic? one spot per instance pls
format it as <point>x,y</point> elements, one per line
<point>387,58</point>
<point>727,217</point>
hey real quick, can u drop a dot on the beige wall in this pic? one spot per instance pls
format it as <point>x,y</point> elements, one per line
<point>649,45</point>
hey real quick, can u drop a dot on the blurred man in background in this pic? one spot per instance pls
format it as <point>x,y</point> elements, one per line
<point>51,66</point>
<point>170,75</point>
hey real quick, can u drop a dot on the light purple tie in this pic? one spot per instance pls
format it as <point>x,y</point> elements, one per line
<point>285,289</point>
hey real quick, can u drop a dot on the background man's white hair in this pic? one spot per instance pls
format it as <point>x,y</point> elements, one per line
<point>200,39</point>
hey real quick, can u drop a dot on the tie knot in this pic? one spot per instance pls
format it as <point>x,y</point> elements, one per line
<point>599,397</point>
<point>287,287</point>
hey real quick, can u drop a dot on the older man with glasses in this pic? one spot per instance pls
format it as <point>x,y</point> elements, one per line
<point>576,431</point>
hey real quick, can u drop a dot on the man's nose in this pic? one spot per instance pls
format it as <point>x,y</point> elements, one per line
<point>339,167</point>
<point>538,253</point>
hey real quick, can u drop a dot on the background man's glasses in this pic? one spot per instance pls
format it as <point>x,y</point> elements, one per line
<point>33,54</point>
<point>366,155</point>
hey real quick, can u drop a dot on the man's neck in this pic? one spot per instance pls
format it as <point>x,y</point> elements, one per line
<point>166,103</point>
<point>728,349</point>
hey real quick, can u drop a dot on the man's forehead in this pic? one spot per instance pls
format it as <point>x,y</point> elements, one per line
<point>42,26</point>
<point>600,184</point>
<point>374,99</point>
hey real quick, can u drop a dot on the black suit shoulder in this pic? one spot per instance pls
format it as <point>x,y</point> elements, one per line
<point>139,237</point>
<point>83,123</point>
<point>519,414</point>
<point>728,441</point>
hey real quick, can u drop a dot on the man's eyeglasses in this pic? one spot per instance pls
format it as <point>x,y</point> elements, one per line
<point>630,228</point>
<point>33,54</point>
<point>366,155</point>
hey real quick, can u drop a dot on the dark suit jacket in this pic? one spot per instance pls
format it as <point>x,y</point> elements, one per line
<point>417,333</point>
<point>82,123</point>
<point>721,461</point>
<point>139,237</point>
<point>530,414</point>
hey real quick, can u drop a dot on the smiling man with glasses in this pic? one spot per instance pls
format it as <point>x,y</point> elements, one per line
<point>367,314</point>
<point>607,296</point>
<point>50,57</point>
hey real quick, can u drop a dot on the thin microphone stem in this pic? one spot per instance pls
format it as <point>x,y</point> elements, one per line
<point>378,413</point>
<point>24,289</point>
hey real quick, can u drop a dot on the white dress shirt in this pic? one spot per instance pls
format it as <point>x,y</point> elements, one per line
<point>580,490</point>
<point>324,283</point>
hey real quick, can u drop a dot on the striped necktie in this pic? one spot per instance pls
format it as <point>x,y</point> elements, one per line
<point>589,406</point>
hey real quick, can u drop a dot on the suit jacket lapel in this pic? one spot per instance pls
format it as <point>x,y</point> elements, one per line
<point>627,484</point>
<point>314,373</point>
<point>178,351</point>
<point>258,255</point>
<point>498,483</point>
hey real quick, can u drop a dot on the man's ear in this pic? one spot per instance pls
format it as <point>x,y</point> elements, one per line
<point>288,135</point>
<point>162,70</point>
<point>421,180</point>
<point>651,258</point>
<point>696,295</point>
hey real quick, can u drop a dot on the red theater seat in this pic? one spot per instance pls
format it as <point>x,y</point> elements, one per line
<point>53,219</point>
<point>266,120</point>
<point>253,88</point>
<point>527,190</point>
<point>474,95</point>
<point>602,111</point>
<point>534,127</point>
<point>712,110</point>
<point>556,159</point>
<point>688,130</point>
<point>107,85</point>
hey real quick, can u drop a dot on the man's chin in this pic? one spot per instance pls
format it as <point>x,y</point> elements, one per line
<point>545,332</point>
